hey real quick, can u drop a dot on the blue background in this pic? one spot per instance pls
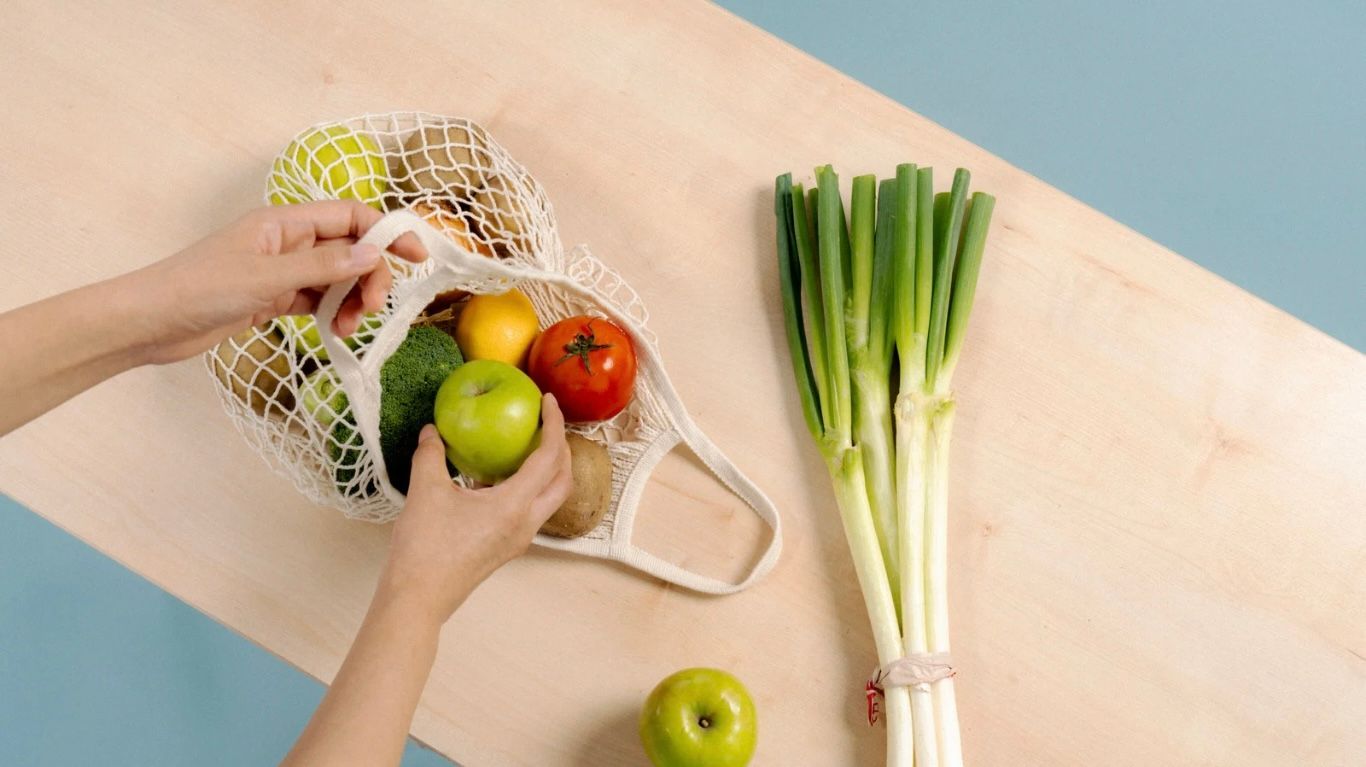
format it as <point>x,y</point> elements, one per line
<point>1232,132</point>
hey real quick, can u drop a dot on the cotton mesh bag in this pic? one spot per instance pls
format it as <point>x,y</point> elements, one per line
<point>309,403</point>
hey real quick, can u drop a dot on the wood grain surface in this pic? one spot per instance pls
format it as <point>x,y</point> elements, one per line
<point>1159,512</point>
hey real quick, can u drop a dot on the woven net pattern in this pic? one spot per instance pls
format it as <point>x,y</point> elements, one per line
<point>279,385</point>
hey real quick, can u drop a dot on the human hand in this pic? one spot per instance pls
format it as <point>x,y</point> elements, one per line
<point>449,539</point>
<point>272,261</point>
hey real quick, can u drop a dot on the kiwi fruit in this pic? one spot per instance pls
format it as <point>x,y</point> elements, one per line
<point>254,368</point>
<point>592,494</point>
<point>441,160</point>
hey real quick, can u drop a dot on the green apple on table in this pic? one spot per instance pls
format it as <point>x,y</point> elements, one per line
<point>488,413</point>
<point>699,717</point>
<point>337,160</point>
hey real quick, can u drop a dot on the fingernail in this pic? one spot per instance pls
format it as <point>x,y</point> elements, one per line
<point>364,254</point>
<point>427,433</point>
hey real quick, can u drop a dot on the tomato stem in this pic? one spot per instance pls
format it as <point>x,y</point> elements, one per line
<point>581,346</point>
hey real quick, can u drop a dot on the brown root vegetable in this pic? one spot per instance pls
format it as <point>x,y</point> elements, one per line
<point>456,226</point>
<point>253,366</point>
<point>442,159</point>
<point>500,215</point>
<point>592,493</point>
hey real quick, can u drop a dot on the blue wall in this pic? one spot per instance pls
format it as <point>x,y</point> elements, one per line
<point>98,666</point>
<point>1233,132</point>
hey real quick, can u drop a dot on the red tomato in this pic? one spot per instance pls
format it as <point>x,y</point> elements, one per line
<point>588,363</point>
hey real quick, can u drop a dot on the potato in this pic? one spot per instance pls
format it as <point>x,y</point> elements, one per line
<point>457,228</point>
<point>592,493</point>
<point>254,369</point>
<point>453,225</point>
<point>442,160</point>
<point>500,215</point>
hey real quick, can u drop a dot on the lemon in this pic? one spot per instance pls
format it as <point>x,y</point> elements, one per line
<point>497,327</point>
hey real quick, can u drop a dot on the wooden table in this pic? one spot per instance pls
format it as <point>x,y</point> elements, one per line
<point>1159,511</point>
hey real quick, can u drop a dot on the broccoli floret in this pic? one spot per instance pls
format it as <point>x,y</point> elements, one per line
<point>344,447</point>
<point>408,384</point>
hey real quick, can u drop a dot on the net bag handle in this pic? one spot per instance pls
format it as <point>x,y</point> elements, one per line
<point>358,380</point>
<point>361,385</point>
<point>625,550</point>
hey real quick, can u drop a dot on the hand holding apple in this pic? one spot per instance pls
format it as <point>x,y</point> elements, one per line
<point>449,538</point>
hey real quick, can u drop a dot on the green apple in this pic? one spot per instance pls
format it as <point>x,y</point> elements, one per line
<point>335,161</point>
<point>304,331</point>
<point>488,413</point>
<point>323,397</point>
<point>699,717</point>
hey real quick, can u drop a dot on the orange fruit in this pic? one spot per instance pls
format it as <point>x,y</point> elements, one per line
<point>497,327</point>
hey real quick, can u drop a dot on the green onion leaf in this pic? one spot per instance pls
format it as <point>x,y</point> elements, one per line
<point>833,246</point>
<point>903,260</point>
<point>790,280</point>
<point>924,253</point>
<point>965,278</point>
<point>882,314</point>
<point>812,314</point>
<point>946,250</point>
<point>862,203</point>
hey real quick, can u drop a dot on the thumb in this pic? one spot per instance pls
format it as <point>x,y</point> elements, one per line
<point>429,461</point>
<point>318,267</point>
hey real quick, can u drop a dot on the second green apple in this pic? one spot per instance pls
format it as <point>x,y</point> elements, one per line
<point>699,717</point>
<point>333,161</point>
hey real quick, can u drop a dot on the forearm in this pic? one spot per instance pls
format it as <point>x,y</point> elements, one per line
<point>57,348</point>
<point>445,543</point>
<point>365,717</point>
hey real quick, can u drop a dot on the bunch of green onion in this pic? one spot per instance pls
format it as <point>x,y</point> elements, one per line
<point>876,305</point>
